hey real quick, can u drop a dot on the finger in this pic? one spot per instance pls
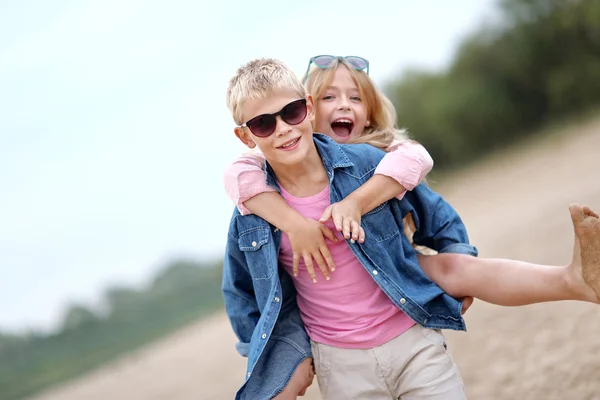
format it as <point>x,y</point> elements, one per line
<point>467,302</point>
<point>328,233</point>
<point>346,228</point>
<point>309,267</point>
<point>302,392</point>
<point>328,259</point>
<point>326,214</point>
<point>322,265</point>
<point>354,230</point>
<point>361,235</point>
<point>337,221</point>
<point>295,261</point>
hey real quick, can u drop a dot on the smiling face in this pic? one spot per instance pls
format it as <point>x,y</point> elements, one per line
<point>341,112</point>
<point>289,144</point>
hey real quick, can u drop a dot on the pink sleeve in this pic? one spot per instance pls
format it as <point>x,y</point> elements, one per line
<point>407,163</point>
<point>244,179</point>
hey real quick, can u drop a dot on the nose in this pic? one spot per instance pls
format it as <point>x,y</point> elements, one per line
<point>282,128</point>
<point>343,103</point>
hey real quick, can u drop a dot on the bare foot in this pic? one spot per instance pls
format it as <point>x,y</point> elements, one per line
<point>586,252</point>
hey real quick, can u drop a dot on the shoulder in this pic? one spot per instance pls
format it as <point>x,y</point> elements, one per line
<point>363,152</point>
<point>363,155</point>
<point>239,224</point>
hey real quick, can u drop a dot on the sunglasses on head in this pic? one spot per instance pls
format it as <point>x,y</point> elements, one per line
<point>264,125</point>
<point>326,61</point>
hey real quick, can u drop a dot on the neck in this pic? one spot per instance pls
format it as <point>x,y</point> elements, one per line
<point>303,179</point>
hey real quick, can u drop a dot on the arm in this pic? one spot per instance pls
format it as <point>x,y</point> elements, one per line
<point>238,292</point>
<point>244,179</point>
<point>401,169</point>
<point>245,185</point>
<point>404,167</point>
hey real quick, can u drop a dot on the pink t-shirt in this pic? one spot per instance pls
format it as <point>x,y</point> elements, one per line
<point>406,162</point>
<point>350,310</point>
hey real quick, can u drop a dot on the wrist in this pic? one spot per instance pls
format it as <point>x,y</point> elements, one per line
<point>291,222</point>
<point>359,200</point>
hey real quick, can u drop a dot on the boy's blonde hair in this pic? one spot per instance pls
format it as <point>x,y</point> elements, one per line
<point>380,110</point>
<point>258,79</point>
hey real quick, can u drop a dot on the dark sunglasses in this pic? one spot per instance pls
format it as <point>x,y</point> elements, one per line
<point>325,61</point>
<point>264,125</point>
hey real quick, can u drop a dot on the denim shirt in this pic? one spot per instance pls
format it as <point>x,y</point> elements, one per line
<point>260,298</point>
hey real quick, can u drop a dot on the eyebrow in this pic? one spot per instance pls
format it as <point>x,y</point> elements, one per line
<point>331,87</point>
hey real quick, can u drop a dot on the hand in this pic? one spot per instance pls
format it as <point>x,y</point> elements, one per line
<point>307,241</point>
<point>467,302</point>
<point>301,379</point>
<point>346,216</point>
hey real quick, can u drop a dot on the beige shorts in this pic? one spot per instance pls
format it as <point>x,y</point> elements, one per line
<point>414,365</point>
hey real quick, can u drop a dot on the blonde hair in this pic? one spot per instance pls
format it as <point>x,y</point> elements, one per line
<point>258,79</point>
<point>381,113</point>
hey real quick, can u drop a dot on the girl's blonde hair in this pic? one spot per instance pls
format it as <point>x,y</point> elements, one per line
<point>381,113</point>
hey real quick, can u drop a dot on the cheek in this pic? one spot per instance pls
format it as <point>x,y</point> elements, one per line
<point>321,123</point>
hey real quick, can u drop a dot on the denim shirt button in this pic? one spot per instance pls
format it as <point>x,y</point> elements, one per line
<point>276,299</point>
<point>276,230</point>
<point>248,374</point>
<point>375,272</point>
<point>253,244</point>
<point>402,301</point>
<point>264,336</point>
<point>424,321</point>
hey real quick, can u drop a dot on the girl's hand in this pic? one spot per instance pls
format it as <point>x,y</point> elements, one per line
<point>307,241</point>
<point>346,216</point>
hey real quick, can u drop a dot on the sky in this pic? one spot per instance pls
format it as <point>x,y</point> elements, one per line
<point>114,131</point>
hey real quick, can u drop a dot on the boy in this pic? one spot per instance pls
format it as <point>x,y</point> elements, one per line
<point>267,308</point>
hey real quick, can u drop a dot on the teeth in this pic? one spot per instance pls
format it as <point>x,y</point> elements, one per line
<point>293,142</point>
<point>344,121</point>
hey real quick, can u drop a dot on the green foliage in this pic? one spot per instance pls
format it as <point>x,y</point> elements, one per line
<point>180,293</point>
<point>541,63</point>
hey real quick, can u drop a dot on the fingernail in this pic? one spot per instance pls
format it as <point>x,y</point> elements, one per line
<point>332,269</point>
<point>314,280</point>
<point>352,241</point>
<point>327,278</point>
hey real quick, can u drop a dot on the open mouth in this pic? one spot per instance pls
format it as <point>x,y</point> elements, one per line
<point>342,127</point>
<point>289,144</point>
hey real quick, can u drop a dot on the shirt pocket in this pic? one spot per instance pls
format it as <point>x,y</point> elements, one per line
<point>380,223</point>
<point>257,248</point>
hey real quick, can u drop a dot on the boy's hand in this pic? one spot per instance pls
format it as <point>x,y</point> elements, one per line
<point>307,241</point>
<point>300,381</point>
<point>346,216</point>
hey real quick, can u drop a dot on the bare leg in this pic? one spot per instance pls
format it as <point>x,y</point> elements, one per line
<point>516,283</point>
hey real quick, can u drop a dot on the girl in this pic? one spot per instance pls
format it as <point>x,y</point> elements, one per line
<point>349,108</point>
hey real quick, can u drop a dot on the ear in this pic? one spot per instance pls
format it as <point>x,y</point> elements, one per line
<point>244,136</point>
<point>310,108</point>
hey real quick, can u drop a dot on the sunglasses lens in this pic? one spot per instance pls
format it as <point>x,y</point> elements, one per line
<point>323,61</point>
<point>357,62</point>
<point>295,112</point>
<point>263,125</point>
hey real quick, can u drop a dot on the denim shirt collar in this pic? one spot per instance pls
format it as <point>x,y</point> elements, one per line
<point>331,153</point>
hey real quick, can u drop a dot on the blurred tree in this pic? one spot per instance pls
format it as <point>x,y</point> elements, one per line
<point>541,62</point>
<point>78,316</point>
